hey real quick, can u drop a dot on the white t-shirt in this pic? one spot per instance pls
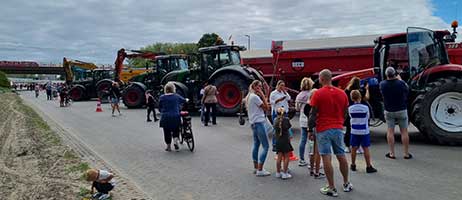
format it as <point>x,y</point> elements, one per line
<point>255,112</point>
<point>103,174</point>
<point>275,95</point>
<point>302,99</point>
<point>359,114</point>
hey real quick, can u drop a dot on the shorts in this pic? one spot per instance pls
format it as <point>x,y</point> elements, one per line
<point>360,140</point>
<point>331,139</point>
<point>398,117</point>
<point>115,100</point>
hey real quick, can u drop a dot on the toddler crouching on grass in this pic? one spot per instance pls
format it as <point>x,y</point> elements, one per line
<point>103,182</point>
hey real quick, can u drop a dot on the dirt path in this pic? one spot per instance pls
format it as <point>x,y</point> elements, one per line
<point>34,163</point>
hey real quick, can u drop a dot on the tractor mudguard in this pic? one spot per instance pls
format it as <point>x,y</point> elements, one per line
<point>139,84</point>
<point>232,69</point>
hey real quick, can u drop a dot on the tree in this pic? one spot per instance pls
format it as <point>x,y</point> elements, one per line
<point>210,39</point>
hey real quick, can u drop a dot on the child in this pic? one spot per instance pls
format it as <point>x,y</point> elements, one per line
<point>359,120</point>
<point>283,146</point>
<point>102,181</point>
<point>150,102</point>
<point>315,158</point>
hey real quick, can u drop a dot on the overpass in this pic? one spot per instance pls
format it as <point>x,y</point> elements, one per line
<point>11,69</point>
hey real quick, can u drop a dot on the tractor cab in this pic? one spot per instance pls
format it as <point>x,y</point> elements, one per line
<point>168,63</point>
<point>410,53</point>
<point>216,57</point>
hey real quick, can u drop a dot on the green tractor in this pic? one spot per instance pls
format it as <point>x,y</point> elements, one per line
<point>133,95</point>
<point>220,66</point>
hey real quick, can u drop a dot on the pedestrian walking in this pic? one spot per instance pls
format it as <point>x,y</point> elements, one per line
<point>151,106</point>
<point>301,101</point>
<point>256,104</point>
<point>114,94</point>
<point>48,89</point>
<point>328,108</point>
<point>102,181</point>
<point>281,126</point>
<point>37,90</point>
<point>279,98</point>
<point>169,108</point>
<point>395,92</point>
<point>209,99</point>
<point>360,135</point>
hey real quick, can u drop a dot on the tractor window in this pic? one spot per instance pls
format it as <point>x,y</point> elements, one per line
<point>183,63</point>
<point>235,57</point>
<point>225,59</point>
<point>210,60</point>
<point>424,50</point>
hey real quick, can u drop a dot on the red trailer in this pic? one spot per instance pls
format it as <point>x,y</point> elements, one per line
<point>295,59</point>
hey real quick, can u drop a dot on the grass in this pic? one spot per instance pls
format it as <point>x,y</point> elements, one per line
<point>70,155</point>
<point>81,167</point>
<point>4,90</point>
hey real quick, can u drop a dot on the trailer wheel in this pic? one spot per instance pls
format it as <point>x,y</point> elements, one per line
<point>437,113</point>
<point>77,93</point>
<point>133,97</point>
<point>230,88</point>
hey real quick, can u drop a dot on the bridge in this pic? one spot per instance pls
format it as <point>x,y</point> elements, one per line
<point>32,70</point>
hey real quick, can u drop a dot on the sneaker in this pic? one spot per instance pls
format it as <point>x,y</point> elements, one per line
<point>347,187</point>
<point>175,143</point>
<point>370,169</point>
<point>285,175</point>
<point>329,191</point>
<point>263,172</point>
<point>96,195</point>
<point>347,150</point>
<point>360,151</point>
<point>168,148</point>
<point>319,176</point>
<point>149,120</point>
<point>104,197</point>
<point>113,115</point>
<point>155,120</point>
<point>311,173</point>
<point>278,175</point>
<point>302,163</point>
<point>353,167</point>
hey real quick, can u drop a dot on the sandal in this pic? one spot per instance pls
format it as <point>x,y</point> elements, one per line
<point>409,156</point>
<point>388,155</point>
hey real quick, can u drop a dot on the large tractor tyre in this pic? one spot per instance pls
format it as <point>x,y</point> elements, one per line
<point>437,113</point>
<point>231,89</point>
<point>102,89</point>
<point>134,97</point>
<point>77,93</point>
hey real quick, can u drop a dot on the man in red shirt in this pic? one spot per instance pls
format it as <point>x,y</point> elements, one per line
<point>329,106</point>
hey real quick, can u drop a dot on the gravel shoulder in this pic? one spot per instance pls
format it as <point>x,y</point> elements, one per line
<point>40,160</point>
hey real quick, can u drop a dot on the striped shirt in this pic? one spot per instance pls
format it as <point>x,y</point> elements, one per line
<point>359,114</point>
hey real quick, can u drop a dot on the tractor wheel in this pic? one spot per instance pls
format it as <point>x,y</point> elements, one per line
<point>230,88</point>
<point>77,93</point>
<point>437,113</point>
<point>102,89</point>
<point>133,97</point>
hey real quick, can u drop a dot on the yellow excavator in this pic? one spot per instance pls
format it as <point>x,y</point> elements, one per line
<point>91,84</point>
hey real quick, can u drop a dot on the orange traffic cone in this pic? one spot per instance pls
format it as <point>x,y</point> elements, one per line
<point>98,106</point>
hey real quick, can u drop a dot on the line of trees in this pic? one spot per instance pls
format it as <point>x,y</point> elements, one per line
<point>208,39</point>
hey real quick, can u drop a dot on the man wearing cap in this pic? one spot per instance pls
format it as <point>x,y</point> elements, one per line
<point>395,92</point>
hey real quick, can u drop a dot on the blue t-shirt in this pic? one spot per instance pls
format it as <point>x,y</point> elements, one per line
<point>394,94</point>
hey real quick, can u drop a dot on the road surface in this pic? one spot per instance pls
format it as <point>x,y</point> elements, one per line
<point>221,167</point>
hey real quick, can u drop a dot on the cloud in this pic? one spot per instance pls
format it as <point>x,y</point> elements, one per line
<point>93,30</point>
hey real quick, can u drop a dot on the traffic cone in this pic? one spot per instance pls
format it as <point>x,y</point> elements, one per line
<point>98,106</point>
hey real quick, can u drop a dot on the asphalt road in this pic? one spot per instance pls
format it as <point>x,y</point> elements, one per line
<point>221,167</point>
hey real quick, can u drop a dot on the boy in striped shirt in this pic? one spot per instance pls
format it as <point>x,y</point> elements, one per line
<point>359,115</point>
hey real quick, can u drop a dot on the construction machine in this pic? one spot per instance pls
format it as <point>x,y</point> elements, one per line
<point>435,85</point>
<point>90,79</point>
<point>134,94</point>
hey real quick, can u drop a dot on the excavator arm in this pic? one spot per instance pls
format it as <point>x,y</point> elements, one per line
<point>68,63</point>
<point>122,54</point>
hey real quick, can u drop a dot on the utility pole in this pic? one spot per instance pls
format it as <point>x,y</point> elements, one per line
<point>248,41</point>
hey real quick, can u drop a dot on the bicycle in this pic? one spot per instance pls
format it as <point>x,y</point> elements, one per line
<point>186,134</point>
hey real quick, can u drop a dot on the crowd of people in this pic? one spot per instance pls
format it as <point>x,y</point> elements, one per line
<point>324,114</point>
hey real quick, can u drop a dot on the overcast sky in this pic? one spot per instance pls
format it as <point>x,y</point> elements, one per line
<point>93,30</point>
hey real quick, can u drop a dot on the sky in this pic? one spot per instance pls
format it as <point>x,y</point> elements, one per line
<point>93,30</point>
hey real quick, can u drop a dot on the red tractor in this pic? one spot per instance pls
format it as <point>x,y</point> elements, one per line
<point>435,98</point>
